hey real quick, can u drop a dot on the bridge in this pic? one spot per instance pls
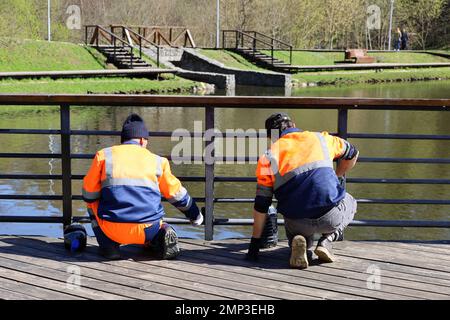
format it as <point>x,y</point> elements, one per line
<point>36,268</point>
<point>124,46</point>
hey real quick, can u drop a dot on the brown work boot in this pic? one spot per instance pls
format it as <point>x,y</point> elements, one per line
<point>299,259</point>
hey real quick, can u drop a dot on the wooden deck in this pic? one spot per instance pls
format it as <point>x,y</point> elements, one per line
<point>40,268</point>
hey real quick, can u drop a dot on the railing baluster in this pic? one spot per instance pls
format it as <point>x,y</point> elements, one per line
<point>66,166</point>
<point>343,127</point>
<point>209,177</point>
<point>343,123</point>
<point>157,56</point>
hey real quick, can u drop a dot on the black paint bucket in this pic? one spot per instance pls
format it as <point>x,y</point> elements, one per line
<point>269,236</point>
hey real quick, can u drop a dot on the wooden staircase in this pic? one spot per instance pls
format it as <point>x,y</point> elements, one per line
<point>122,57</point>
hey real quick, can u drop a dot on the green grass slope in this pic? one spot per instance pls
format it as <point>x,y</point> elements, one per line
<point>230,59</point>
<point>97,85</point>
<point>32,55</point>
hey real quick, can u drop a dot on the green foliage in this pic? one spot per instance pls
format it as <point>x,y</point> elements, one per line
<point>27,19</point>
<point>420,17</point>
<point>304,23</point>
<point>20,19</point>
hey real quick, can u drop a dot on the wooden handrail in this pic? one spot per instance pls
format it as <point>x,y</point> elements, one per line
<point>109,33</point>
<point>158,27</point>
<point>227,102</point>
<point>136,34</point>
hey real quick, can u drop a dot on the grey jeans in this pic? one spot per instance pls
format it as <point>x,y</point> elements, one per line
<point>336,219</point>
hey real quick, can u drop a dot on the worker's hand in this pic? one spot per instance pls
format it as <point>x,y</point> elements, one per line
<point>253,250</point>
<point>198,221</point>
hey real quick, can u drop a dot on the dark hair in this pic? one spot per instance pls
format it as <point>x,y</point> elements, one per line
<point>280,121</point>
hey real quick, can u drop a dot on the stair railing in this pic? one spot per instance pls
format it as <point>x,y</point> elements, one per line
<point>100,34</point>
<point>243,38</point>
<point>171,36</point>
<point>133,36</point>
<point>276,43</point>
<point>240,38</point>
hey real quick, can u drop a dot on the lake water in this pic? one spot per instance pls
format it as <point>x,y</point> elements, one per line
<point>168,119</point>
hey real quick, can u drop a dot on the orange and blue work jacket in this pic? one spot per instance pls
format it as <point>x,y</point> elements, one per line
<point>298,171</point>
<point>123,189</point>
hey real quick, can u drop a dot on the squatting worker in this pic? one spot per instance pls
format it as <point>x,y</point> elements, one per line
<point>298,171</point>
<point>123,189</point>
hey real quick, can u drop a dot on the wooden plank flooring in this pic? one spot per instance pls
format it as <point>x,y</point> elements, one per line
<point>39,268</point>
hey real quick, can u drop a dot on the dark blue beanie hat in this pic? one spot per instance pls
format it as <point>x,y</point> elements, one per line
<point>134,128</point>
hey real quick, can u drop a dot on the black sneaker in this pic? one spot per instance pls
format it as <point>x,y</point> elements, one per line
<point>323,250</point>
<point>299,259</point>
<point>110,253</point>
<point>166,243</point>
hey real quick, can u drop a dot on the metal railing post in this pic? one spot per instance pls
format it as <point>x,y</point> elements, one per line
<point>290,55</point>
<point>271,55</point>
<point>343,126</point>
<point>209,176</point>
<point>114,52</point>
<point>343,123</point>
<point>131,57</point>
<point>157,56</point>
<point>66,166</point>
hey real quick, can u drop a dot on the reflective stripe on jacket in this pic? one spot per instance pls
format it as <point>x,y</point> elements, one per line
<point>298,171</point>
<point>128,181</point>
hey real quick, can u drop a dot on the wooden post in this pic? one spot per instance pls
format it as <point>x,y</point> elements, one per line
<point>66,167</point>
<point>209,177</point>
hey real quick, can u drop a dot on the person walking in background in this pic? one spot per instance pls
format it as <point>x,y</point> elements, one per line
<point>398,40</point>
<point>405,38</point>
<point>123,190</point>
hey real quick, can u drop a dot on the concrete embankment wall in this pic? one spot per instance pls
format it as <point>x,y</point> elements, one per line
<point>221,81</point>
<point>170,57</point>
<point>192,60</point>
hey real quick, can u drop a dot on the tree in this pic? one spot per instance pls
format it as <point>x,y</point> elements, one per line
<point>419,16</point>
